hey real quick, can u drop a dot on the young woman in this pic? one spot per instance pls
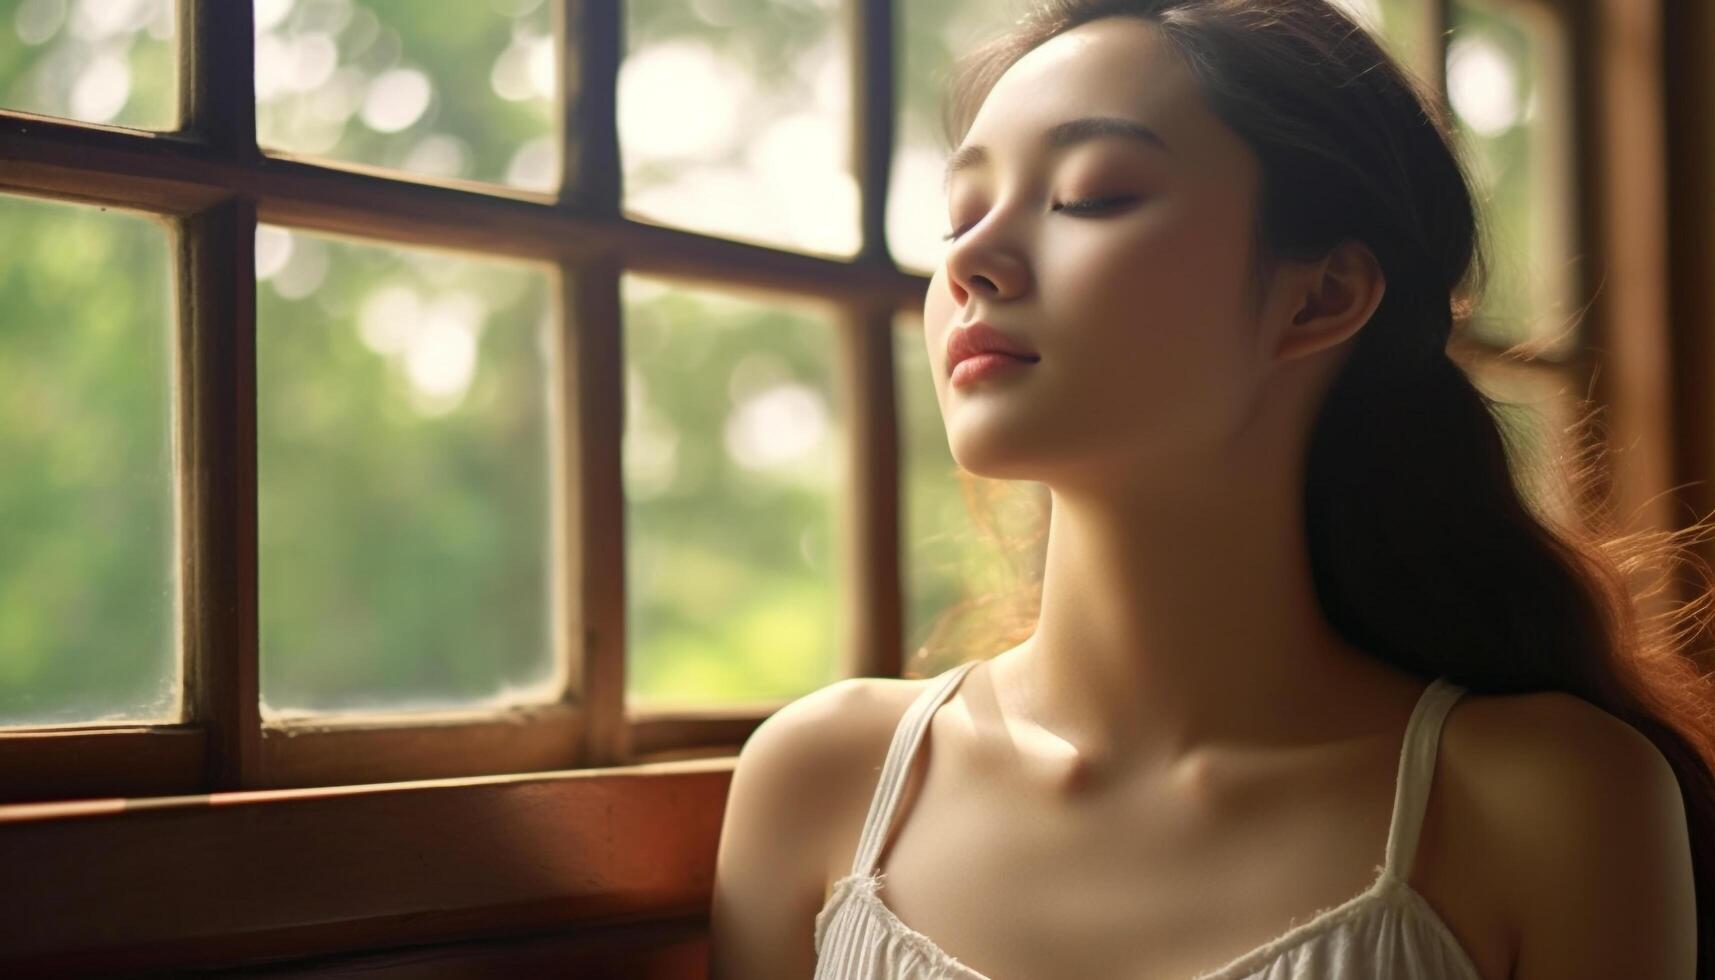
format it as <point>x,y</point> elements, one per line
<point>1290,585</point>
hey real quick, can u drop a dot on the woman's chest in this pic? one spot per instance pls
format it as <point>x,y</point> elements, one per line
<point>1159,885</point>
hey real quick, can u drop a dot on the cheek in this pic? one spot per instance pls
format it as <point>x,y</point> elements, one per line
<point>1164,294</point>
<point>1175,263</point>
<point>1157,318</point>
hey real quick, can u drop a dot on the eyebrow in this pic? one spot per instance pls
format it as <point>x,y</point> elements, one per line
<point>1061,135</point>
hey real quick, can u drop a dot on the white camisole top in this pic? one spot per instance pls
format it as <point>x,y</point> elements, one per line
<point>1388,930</point>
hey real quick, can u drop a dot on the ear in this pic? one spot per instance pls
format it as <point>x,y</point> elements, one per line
<point>1338,296</point>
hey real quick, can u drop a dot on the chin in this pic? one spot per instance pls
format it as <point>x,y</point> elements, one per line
<point>994,457</point>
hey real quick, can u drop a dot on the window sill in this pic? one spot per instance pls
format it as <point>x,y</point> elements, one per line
<point>256,875</point>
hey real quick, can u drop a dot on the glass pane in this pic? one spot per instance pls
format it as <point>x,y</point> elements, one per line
<point>734,454</point>
<point>734,120</point>
<point>1507,86</point>
<point>99,61</point>
<point>466,91</point>
<point>972,547</point>
<point>402,440</point>
<point>88,596</point>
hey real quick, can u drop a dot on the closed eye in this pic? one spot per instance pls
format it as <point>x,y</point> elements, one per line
<point>1084,206</point>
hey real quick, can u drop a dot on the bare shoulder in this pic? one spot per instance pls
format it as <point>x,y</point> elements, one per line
<point>788,801</point>
<point>841,721</point>
<point>821,743</point>
<point>1584,824</point>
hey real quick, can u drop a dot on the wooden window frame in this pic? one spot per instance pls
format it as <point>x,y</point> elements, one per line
<point>139,842</point>
<point>210,182</point>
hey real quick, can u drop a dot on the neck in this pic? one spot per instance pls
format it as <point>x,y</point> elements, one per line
<point>1181,615</point>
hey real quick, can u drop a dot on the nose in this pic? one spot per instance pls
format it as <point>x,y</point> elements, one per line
<point>983,265</point>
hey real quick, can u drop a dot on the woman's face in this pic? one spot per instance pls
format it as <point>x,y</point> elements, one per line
<point>1137,306</point>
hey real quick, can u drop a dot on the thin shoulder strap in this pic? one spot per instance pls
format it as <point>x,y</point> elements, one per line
<point>899,755</point>
<point>1416,771</point>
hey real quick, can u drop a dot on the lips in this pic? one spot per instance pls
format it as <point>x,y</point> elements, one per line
<point>981,338</point>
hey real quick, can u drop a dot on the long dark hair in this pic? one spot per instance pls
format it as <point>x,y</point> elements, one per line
<point>1425,551</point>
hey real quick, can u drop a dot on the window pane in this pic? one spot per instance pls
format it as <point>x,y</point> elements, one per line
<point>734,453</point>
<point>100,61</point>
<point>466,91</point>
<point>734,120</point>
<point>1507,85</point>
<point>972,546</point>
<point>402,430</point>
<point>88,596</point>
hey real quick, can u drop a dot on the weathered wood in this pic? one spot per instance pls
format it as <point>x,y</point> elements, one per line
<point>872,119</point>
<point>216,389</point>
<point>77,763</point>
<point>657,730</point>
<point>172,174</point>
<point>1619,54</point>
<point>1688,32</point>
<point>217,73</point>
<point>228,878</point>
<point>159,760</point>
<point>590,486</point>
<point>591,42</point>
<point>321,752</point>
<point>873,609</point>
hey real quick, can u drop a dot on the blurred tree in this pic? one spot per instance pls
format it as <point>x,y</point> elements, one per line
<point>402,434</point>
<point>734,465</point>
<point>88,550</point>
<point>101,61</point>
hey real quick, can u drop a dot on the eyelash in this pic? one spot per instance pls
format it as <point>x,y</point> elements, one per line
<point>1088,205</point>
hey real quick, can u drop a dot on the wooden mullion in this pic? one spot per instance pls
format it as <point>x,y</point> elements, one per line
<point>591,38</point>
<point>216,424</point>
<point>872,121</point>
<point>55,158</point>
<point>1624,145</point>
<point>873,610</point>
<point>874,615</point>
<point>590,403</point>
<point>216,400</point>
<point>217,75</point>
<point>1687,30</point>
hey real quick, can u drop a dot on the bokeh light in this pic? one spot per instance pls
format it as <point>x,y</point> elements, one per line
<point>402,463</point>
<point>98,61</point>
<point>735,119</point>
<point>734,453</point>
<point>467,91</point>
<point>88,533</point>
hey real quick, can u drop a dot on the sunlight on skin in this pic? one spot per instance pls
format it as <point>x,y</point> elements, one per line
<point>1166,415</point>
